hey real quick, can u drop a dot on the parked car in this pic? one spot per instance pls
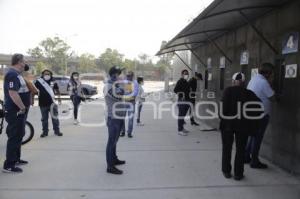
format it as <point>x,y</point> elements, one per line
<point>62,82</point>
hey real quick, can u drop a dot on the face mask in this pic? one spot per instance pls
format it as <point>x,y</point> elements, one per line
<point>47,77</point>
<point>114,78</point>
<point>185,77</point>
<point>76,77</point>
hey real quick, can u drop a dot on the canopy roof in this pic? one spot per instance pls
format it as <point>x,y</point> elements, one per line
<point>220,17</point>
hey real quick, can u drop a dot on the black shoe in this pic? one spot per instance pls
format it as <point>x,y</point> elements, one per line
<point>43,135</point>
<point>21,162</point>
<point>258,165</point>
<point>122,134</point>
<point>114,170</point>
<point>238,177</point>
<point>58,134</point>
<point>227,175</point>
<point>12,170</point>
<point>194,123</point>
<point>130,136</point>
<point>120,162</point>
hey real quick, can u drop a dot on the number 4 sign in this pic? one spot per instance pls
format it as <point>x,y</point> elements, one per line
<point>290,43</point>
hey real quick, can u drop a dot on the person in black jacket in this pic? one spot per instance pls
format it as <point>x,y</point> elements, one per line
<point>193,89</point>
<point>47,90</point>
<point>236,124</point>
<point>182,89</point>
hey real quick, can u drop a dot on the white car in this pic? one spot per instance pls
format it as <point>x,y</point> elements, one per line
<point>62,82</point>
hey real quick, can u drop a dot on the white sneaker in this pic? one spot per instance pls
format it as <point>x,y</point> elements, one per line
<point>185,131</point>
<point>182,133</point>
<point>76,122</point>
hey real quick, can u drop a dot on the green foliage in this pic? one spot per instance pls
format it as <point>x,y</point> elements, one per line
<point>110,58</point>
<point>53,53</point>
<point>36,52</point>
<point>129,64</point>
<point>164,62</point>
<point>87,63</point>
<point>55,50</point>
<point>39,67</point>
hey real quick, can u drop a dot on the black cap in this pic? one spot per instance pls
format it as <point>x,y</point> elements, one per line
<point>140,79</point>
<point>183,71</point>
<point>199,75</point>
<point>115,70</point>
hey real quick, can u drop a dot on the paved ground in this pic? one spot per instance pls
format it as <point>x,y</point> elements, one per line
<point>160,164</point>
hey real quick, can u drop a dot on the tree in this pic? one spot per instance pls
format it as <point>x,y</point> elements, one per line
<point>87,63</point>
<point>164,63</point>
<point>36,52</point>
<point>55,50</point>
<point>129,64</point>
<point>110,58</point>
<point>39,67</point>
<point>144,58</point>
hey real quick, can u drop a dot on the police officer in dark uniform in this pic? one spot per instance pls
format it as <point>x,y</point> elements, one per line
<point>17,100</point>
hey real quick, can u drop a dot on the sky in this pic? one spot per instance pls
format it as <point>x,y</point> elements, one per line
<point>90,26</point>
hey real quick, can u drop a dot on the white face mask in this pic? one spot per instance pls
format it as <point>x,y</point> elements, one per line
<point>185,77</point>
<point>47,77</point>
<point>76,78</point>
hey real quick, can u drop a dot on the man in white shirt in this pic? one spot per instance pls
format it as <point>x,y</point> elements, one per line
<point>260,85</point>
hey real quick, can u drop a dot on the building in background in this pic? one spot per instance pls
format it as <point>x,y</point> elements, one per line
<point>231,36</point>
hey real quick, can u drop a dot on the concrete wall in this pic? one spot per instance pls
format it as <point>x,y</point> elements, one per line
<point>282,140</point>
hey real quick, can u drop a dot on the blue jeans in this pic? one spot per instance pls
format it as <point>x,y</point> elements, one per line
<point>140,106</point>
<point>45,110</point>
<point>76,102</point>
<point>255,141</point>
<point>130,115</point>
<point>15,131</point>
<point>114,128</point>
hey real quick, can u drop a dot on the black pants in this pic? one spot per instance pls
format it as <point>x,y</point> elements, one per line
<point>255,141</point>
<point>182,111</point>
<point>240,142</point>
<point>76,102</point>
<point>15,131</point>
<point>114,128</point>
<point>140,106</point>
